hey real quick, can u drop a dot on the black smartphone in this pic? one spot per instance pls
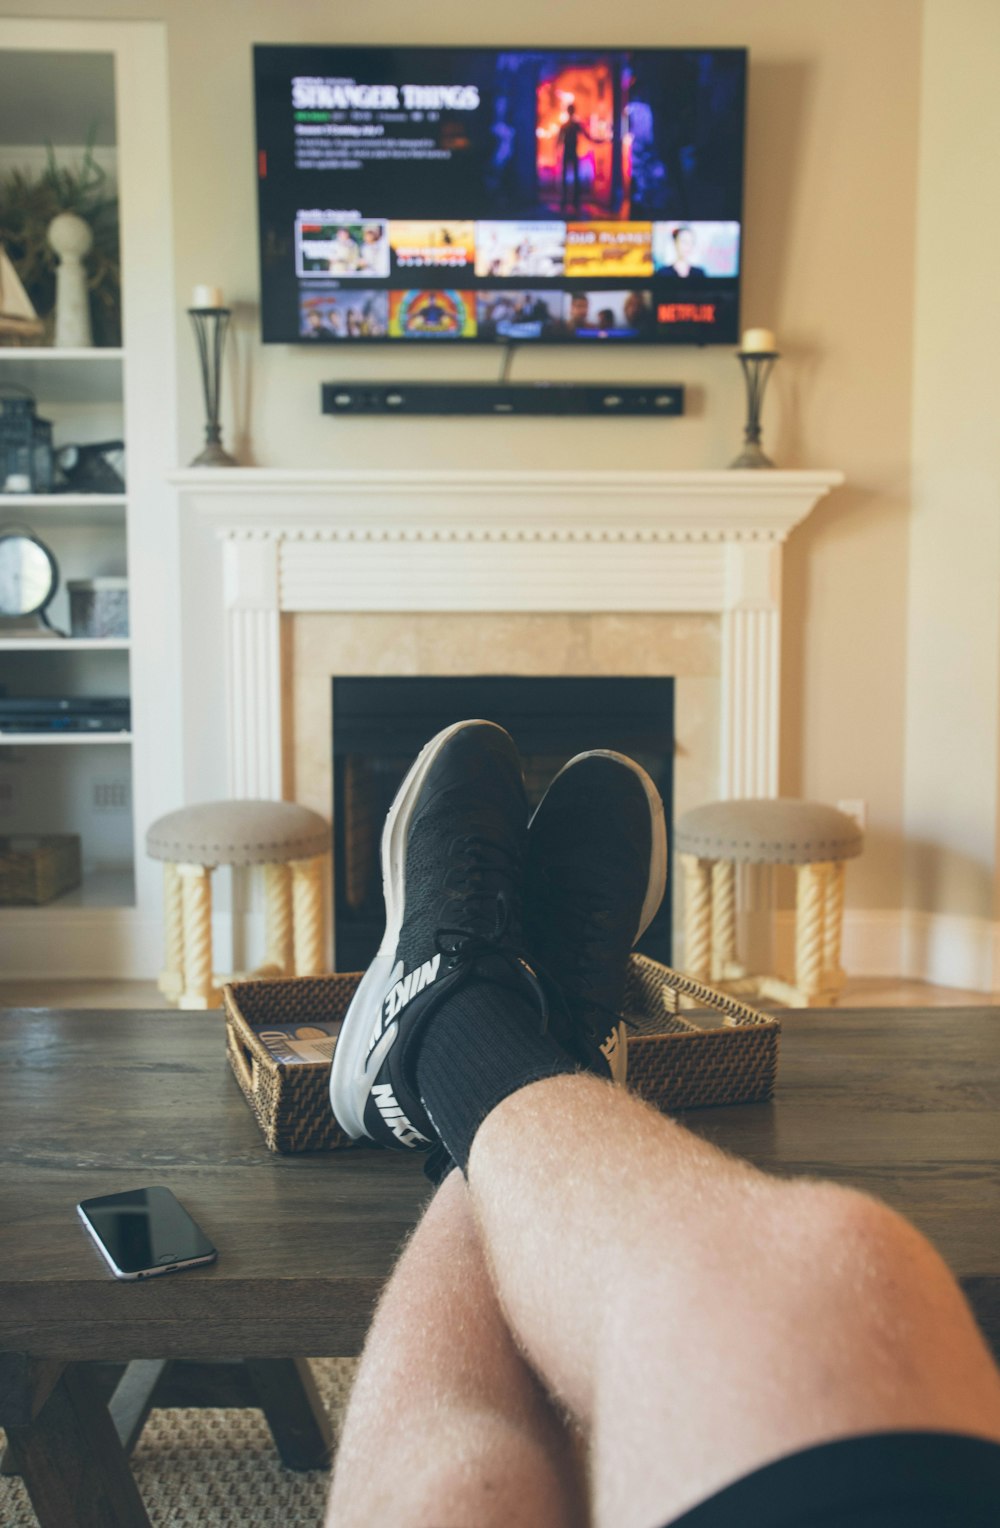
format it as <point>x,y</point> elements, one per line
<point>145,1231</point>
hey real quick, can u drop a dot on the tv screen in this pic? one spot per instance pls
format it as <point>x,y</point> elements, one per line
<point>454,196</point>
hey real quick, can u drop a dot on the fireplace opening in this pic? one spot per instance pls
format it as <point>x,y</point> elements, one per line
<point>379,725</point>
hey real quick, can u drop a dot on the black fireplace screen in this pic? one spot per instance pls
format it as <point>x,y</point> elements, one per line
<point>379,725</point>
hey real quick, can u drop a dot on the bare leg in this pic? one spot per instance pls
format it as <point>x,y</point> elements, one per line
<point>447,1425</point>
<point>700,1318</point>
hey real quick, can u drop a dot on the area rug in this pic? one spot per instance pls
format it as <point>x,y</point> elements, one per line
<point>214,1468</point>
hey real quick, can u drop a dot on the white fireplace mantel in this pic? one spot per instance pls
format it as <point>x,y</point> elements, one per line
<point>400,541</point>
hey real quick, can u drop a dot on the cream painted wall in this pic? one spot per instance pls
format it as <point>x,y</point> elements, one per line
<point>831,183</point>
<point>953,697</point>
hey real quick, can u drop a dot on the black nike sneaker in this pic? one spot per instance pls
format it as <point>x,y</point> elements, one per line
<point>595,876</point>
<point>452,860</point>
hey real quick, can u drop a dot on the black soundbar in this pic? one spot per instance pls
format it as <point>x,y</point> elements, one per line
<point>502,398</point>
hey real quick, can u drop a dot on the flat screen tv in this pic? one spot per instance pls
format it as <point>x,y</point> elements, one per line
<point>455,196</point>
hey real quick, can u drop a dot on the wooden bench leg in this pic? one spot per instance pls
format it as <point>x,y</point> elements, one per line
<point>723,918</point>
<point>288,1397</point>
<point>697,916</point>
<point>833,926</point>
<point>278,919</point>
<point>307,914</point>
<point>810,932</point>
<point>73,1465</point>
<point>135,1397</point>
<point>283,1388</point>
<point>171,981</point>
<point>199,989</point>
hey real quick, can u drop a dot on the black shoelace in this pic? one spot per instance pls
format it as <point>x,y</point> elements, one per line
<point>479,892</point>
<point>576,921</point>
<point>482,880</point>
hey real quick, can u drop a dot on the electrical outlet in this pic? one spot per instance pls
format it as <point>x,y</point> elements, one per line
<point>856,809</point>
<point>111,796</point>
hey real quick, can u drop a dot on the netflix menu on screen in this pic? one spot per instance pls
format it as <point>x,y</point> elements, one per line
<point>455,194</point>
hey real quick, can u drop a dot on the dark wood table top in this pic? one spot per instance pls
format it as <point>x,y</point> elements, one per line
<point>903,1103</point>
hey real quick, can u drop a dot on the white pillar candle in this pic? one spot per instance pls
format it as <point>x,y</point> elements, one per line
<point>755,341</point>
<point>207,297</point>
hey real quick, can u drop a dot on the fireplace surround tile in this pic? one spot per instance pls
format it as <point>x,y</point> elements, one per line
<point>323,646</point>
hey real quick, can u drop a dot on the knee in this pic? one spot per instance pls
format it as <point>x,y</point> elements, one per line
<point>840,1229</point>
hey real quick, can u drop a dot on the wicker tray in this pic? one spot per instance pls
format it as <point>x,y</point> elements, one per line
<point>38,868</point>
<point>672,1061</point>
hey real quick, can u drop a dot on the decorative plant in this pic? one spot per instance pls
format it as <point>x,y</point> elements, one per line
<point>29,202</point>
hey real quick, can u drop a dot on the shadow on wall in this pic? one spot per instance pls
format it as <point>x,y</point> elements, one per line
<point>244,338</point>
<point>779,103</point>
<point>942,880</point>
<point>850,513</point>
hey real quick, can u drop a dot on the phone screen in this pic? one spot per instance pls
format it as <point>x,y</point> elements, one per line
<point>145,1228</point>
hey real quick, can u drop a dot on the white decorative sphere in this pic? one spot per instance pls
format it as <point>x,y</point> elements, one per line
<point>70,235</point>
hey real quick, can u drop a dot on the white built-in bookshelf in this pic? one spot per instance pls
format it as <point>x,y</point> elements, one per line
<point>103,787</point>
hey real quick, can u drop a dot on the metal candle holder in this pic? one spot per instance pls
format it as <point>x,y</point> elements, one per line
<point>757,366</point>
<point>210,325</point>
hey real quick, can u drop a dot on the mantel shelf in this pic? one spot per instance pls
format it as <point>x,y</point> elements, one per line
<point>757,484</point>
<point>431,505</point>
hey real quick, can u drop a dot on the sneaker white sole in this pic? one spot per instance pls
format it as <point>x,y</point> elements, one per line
<point>347,1098</point>
<point>657,883</point>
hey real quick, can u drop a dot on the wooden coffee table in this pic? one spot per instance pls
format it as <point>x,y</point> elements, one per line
<point>903,1104</point>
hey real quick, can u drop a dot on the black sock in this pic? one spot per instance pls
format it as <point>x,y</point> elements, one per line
<point>482,1045</point>
<point>438,1164</point>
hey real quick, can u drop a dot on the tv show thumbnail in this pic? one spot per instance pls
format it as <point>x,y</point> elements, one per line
<point>608,315</point>
<point>579,151</point>
<point>696,251</point>
<point>531,250</point>
<point>329,245</point>
<point>609,249</point>
<point>432,315</point>
<point>445,245</point>
<point>628,134</point>
<point>519,315</point>
<point>343,315</point>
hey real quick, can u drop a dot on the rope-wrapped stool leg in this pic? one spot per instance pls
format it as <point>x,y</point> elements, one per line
<point>278,921</point>
<point>307,909</point>
<point>833,925</point>
<point>723,918</point>
<point>697,915</point>
<point>197,892</point>
<point>171,979</point>
<point>810,941</point>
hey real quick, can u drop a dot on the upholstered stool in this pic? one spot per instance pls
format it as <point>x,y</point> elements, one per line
<point>712,840</point>
<point>292,844</point>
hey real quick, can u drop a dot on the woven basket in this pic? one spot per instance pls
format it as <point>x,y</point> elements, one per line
<point>38,868</point>
<point>672,1062</point>
<point>677,1064</point>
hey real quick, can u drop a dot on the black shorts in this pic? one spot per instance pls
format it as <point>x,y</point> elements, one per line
<point>882,1480</point>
